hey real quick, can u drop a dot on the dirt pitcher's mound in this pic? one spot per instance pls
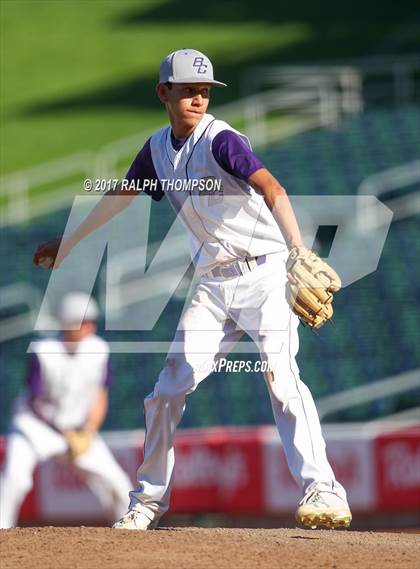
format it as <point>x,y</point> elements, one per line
<point>196,548</point>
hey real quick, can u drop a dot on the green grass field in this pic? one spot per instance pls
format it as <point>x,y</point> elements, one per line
<point>77,74</point>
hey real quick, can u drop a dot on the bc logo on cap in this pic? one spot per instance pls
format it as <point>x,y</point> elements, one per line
<point>199,63</point>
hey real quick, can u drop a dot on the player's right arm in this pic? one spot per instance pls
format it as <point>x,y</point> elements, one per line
<point>52,253</point>
<point>34,389</point>
<point>57,250</point>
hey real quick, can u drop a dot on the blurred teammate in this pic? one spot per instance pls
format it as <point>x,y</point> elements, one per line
<point>60,414</point>
<point>240,238</point>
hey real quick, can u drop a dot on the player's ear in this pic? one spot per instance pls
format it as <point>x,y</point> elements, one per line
<point>162,92</point>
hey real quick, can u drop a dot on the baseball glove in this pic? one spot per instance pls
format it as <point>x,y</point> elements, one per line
<point>46,253</point>
<point>313,282</point>
<point>78,442</point>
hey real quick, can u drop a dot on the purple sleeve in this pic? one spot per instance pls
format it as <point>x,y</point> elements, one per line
<point>234,155</point>
<point>33,379</point>
<point>108,375</point>
<point>143,169</point>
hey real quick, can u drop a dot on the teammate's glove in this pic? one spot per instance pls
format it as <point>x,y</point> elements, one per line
<point>46,253</point>
<point>313,281</point>
<point>78,443</point>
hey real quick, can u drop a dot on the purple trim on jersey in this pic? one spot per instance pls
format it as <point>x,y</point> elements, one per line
<point>233,154</point>
<point>229,149</point>
<point>108,375</point>
<point>33,379</point>
<point>142,169</point>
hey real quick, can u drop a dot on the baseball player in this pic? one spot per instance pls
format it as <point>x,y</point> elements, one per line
<point>253,267</point>
<point>65,403</point>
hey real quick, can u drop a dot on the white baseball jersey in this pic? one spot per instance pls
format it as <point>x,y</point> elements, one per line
<point>223,226</point>
<point>68,383</point>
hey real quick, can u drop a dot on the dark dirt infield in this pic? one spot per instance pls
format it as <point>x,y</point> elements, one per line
<point>197,548</point>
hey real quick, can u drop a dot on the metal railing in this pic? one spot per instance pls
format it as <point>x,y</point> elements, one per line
<point>379,184</point>
<point>22,300</point>
<point>359,81</point>
<point>367,393</point>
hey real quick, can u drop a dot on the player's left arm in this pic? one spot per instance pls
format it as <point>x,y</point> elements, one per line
<point>311,280</point>
<point>97,412</point>
<point>99,408</point>
<point>233,153</point>
<point>79,441</point>
<point>278,202</point>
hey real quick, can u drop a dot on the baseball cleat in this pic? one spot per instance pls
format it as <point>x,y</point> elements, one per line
<point>322,506</point>
<point>136,520</point>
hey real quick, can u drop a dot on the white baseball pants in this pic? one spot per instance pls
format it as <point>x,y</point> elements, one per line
<point>32,441</point>
<point>220,311</point>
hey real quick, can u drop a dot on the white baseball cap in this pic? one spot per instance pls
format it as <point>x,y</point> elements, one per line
<point>77,307</point>
<point>187,66</point>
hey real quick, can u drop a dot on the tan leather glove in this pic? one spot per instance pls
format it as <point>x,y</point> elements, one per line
<point>310,295</point>
<point>78,442</point>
